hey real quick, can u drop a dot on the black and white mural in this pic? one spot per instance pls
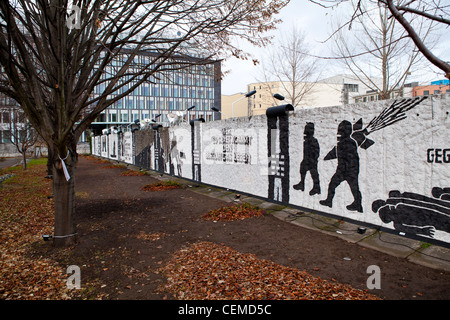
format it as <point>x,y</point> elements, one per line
<point>311,152</point>
<point>278,152</point>
<point>383,163</point>
<point>346,153</point>
<point>416,213</point>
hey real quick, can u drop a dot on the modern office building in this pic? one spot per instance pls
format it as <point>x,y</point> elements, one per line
<point>186,82</point>
<point>169,92</point>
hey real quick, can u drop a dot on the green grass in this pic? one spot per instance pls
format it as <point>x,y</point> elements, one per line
<point>40,161</point>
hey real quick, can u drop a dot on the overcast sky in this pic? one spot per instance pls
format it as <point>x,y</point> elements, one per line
<point>312,19</point>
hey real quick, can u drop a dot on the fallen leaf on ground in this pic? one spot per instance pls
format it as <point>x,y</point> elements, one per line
<point>235,211</point>
<point>207,270</point>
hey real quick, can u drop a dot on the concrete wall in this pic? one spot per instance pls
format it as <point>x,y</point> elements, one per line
<point>383,164</point>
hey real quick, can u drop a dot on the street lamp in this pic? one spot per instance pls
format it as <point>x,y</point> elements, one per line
<point>278,96</point>
<point>157,116</point>
<point>247,95</point>
<point>217,110</point>
<point>135,125</point>
<point>188,114</point>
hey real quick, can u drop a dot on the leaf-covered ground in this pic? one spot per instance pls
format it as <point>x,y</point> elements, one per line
<point>235,211</point>
<point>161,186</point>
<point>203,271</point>
<point>26,213</point>
<point>207,270</point>
<point>131,239</point>
<point>133,173</point>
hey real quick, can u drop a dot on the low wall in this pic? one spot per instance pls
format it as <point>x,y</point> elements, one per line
<point>382,164</point>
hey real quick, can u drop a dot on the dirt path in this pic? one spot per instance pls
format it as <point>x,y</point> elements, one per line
<point>126,234</point>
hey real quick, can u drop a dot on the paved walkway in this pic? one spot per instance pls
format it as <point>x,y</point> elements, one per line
<point>9,162</point>
<point>419,252</point>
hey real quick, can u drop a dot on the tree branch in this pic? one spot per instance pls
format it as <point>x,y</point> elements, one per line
<point>416,39</point>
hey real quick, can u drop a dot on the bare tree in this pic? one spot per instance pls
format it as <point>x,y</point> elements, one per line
<point>22,134</point>
<point>435,10</point>
<point>55,52</point>
<point>406,12</point>
<point>389,55</point>
<point>289,62</point>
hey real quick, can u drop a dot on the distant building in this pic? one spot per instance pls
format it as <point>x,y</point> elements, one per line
<point>337,90</point>
<point>436,87</point>
<point>170,91</point>
<point>233,105</point>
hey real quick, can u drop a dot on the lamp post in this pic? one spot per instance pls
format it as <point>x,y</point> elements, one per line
<point>157,116</point>
<point>217,110</point>
<point>247,95</point>
<point>278,96</point>
<point>135,125</point>
<point>188,114</point>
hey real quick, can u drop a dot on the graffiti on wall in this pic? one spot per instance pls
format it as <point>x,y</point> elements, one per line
<point>196,150</point>
<point>311,152</point>
<point>325,159</point>
<point>415,213</point>
<point>278,152</point>
<point>231,148</point>
<point>346,153</point>
<point>350,138</point>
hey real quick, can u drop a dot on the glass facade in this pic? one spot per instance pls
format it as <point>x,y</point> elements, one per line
<point>174,88</point>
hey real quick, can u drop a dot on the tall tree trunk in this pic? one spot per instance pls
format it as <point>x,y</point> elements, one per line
<point>49,162</point>
<point>64,195</point>
<point>24,156</point>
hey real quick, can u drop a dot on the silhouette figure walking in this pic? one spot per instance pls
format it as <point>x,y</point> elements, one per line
<point>347,169</point>
<point>311,151</point>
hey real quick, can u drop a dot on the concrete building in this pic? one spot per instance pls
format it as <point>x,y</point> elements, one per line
<point>337,90</point>
<point>436,87</point>
<point>235,105</point>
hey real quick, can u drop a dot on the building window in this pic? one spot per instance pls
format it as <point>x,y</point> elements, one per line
<point>112,117</point>
<point>426,93</point>
<point>6,137</point>
<point>348,87</point>
<point>6,117</point>
<point>125,117</point>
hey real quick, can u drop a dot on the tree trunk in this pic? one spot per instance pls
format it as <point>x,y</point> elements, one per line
<point>64,195</point>
<point>49,163</point>
<point>24,155</point>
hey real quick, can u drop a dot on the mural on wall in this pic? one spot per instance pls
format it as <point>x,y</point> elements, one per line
<point>104,149</point>
<point>98,142</point>
<point>441,193</point>
<point>409,155</point>
<point>112,140</point>
<point>175,158</point>
<point>158,150</point>
<point>227,147</point>
<point>415,213</point>
<point>196,149</point>
<point>311,152</point>
<point>127,147</point>
<point>347,169</point>
<point>278,152</point>
<point>349,138</point>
